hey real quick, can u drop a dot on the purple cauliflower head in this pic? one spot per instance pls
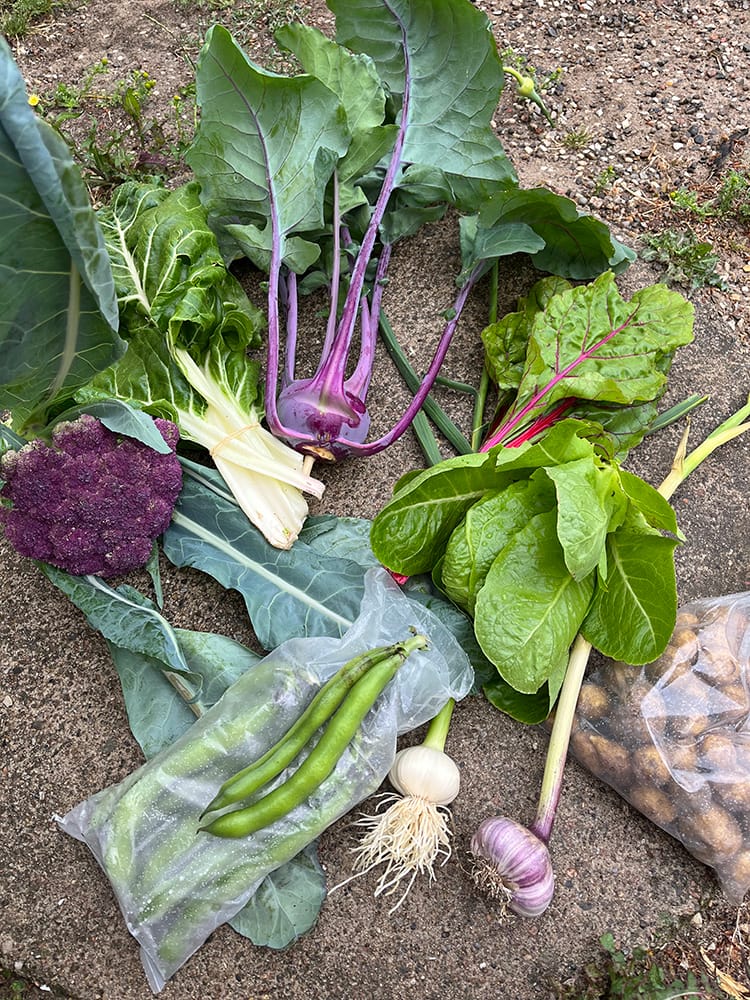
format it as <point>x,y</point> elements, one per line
<point>92,502</point>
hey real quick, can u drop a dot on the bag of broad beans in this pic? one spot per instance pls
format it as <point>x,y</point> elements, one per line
<point>673,737</point>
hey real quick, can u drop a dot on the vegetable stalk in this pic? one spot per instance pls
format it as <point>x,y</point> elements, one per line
<point>512,862</point>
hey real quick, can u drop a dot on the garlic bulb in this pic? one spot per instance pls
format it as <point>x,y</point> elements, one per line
<point>427,774</point>
<point>513,865</point>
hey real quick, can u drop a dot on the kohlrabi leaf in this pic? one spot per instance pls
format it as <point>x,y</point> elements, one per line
<point>485,531</point>
<point>442,62</point>
<point>576,246</point>
<point>264,151</point>
<point>287,592</point>
<point>287,903</point>
<point>530,608</point>
<point>633,611</point>
<point>353,78</point>
<point>590,503</point>
<point>591,343</point>
<point>58,315</point>
<point>487,245</point>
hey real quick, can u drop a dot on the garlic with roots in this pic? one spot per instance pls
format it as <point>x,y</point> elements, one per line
<point>512,865</point>
<point>414,830</point>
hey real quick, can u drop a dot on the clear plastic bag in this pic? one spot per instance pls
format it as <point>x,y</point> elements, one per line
<point>175,887</point>
<point>673,737</point>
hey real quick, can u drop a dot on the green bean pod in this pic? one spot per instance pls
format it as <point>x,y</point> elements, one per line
<point>324,756</point>
<point>242,784</point>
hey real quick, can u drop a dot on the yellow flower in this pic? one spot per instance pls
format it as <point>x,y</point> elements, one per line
<point>33,100</point>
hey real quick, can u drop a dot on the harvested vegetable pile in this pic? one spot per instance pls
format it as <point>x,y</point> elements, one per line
<point>512,558</point>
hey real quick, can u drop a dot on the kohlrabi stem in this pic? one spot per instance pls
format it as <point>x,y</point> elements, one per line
<point>682,466</point>
<point>430,407</point>
<point>437,731</point>
<point>438,357</point>
<point>359,381</point>
<point>359,271</point>
<point>290,344</point>
<point>335,271</point>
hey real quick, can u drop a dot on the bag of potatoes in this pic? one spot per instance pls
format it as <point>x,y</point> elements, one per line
<point>673,737</point>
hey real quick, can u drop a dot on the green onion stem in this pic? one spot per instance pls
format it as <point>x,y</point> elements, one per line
<point>682,466</point>
<point>425,437</point>
<point>437,731</point>
<point>676,412</point>
<point>480,401</point>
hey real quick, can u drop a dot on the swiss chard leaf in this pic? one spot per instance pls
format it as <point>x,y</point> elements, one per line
<point>409,533</point>
<point>589,343</point>
<point>530,709</point>
<point>633,611</point>
<point>505,341</point>
<point>590,503</point>
<point>530,608</point>
<point>59,318</point>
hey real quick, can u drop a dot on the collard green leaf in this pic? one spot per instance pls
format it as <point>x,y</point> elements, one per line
<point>441,60</point>
<point>344,537</point>
<point>286,904</point>
<point>123,616</point>
<point>265,150</point>
<point>59,316</point>
<point>485,531</point>
<point>286,592</point>
<point>530,608</point>
<point>633,611</point>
